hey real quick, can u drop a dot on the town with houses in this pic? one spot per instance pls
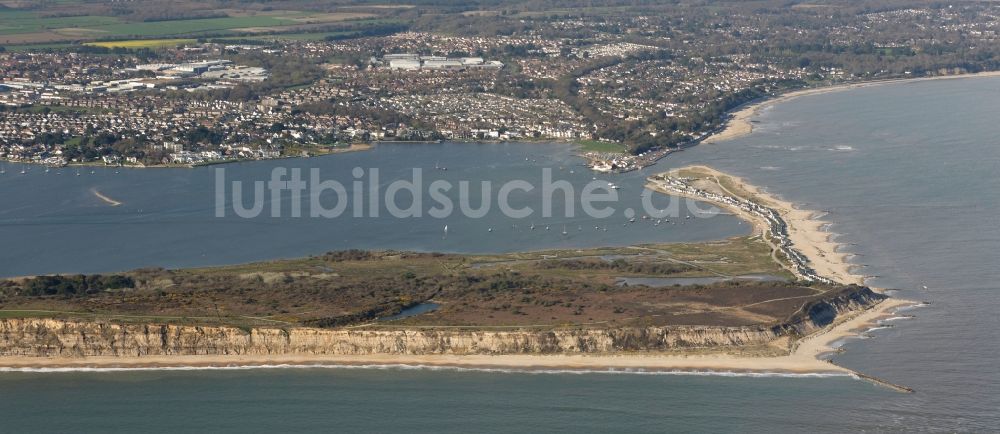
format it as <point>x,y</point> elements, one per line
<point>635,87</point>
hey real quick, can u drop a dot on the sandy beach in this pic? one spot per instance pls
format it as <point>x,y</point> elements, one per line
<point>805,229</point>
<point>803,360</point>
<point>739,123</point>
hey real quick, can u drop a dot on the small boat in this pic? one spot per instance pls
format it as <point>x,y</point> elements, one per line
<point>532,226</point>
<point>489,230</point>
<point>546,227</point>
<point>23,171</point>
<point>631,220</point>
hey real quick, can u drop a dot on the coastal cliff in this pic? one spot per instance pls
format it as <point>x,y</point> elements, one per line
<point>65,338</point>
<point>816,315</point>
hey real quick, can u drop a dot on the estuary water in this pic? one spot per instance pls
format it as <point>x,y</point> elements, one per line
<point>908,174</point>
<point>57,221</point>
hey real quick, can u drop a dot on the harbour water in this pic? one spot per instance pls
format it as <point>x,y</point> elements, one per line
<point>908,175</point>
<point>55,222</point>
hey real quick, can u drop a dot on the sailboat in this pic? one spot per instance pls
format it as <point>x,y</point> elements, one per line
<point>445,231</point>
<point>564,230</point>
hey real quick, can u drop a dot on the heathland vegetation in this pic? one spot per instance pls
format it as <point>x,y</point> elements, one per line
<point>354,288</point>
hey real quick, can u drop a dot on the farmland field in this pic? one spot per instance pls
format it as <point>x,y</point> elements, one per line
<point>141,43</point>
<point>14,22</point>
<point>30,27</point>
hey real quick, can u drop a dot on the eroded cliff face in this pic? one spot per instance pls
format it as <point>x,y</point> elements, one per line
<point>816,315</point>
<point>61,338</point>
<point>46,337</point>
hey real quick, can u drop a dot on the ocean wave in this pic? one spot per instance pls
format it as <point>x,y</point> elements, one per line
<point>819,215</point>
<point>911,307</point>
<point>406,367</point>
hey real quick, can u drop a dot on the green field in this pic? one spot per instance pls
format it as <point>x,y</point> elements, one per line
<point>26,27</point>
<point>181,27</point>
<point>599,146</point>
<point>14,22</point>
<point>141,43</point>
<point>39,47</point>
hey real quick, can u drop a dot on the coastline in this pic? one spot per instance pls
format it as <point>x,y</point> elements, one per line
<point>739,123</point>
<point>805,359</point>
<point>806,355</point>
<point>805,230</point>
<point>354,147</point>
